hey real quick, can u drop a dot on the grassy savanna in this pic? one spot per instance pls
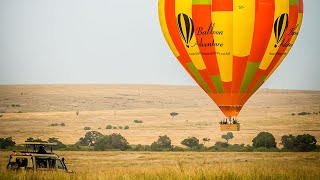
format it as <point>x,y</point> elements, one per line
<point>186,165</point>
<point>29,109</point>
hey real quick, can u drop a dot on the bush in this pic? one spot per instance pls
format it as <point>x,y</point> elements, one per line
<point>225,147</point>
<point>264,139</point>
<point>87,128</point>
<point>178,149</point>
<point>126,127</point>
<point>108,127</point>
<point>140,147</point>
<point>263,149</point>
<point>60,145</point>
<point>114,127</point>
<point>113,141</point>
<point>72,148</point>
<point>120,127</point>
<point>56,124</point>
<point>137,121</point>
<point>191,142</point>
<point>30,139</point>
<point>303,113</point>
<point>163,143</point>
<point>221,144</point>
<point>7,143</point>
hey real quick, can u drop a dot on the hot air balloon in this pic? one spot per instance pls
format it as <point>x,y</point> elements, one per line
<point>230,47</point>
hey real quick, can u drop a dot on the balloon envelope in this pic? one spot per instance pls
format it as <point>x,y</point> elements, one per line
<point>230,47</point>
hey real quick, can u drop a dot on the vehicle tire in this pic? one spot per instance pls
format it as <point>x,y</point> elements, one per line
<point>13,166</point>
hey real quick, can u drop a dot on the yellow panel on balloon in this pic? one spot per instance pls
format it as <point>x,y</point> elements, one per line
<point>223,39</point>
<point>243,26</point>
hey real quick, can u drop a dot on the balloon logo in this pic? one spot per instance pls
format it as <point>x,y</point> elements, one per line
<point>230,47</point>
<point>280,27</point>
<point>186,28</point>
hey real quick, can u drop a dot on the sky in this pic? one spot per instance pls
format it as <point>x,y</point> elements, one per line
<point>118,42</point>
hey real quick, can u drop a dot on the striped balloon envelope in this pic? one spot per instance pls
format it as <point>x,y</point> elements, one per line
<point>230,47</point>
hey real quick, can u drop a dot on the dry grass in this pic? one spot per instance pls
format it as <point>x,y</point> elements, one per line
<point>119,105</point>
<point>185,165</point>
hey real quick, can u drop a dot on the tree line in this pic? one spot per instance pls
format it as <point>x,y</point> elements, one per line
<point>95,140</point>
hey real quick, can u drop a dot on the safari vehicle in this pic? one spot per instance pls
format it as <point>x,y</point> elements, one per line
<point>36,159</point>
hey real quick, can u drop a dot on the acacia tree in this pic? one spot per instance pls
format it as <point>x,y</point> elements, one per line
<point>205,140</point>
<point>191,142</point>
<point>163,142</point>
<point>305,143</point>
<point>113,141</point>
<point>264,139</point>
<point>90,138</point>
<point>173,114</point>
<point>227,136</point>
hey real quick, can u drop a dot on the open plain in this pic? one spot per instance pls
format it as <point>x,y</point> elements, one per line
<point>28,110</point>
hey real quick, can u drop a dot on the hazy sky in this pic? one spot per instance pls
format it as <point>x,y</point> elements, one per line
<point>118,42</point>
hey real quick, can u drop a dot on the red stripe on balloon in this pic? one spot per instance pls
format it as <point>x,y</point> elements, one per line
<point>239,67</point>
<point>222,5</point>
<point>227,86</point>
<point>264,17</point>
<point>300,6</point>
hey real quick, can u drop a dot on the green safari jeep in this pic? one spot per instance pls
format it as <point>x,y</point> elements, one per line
<point>36,160</point>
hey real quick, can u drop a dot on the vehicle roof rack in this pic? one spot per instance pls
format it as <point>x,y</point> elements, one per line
<point>39,143</point>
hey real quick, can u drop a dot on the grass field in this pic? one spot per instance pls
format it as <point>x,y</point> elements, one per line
<point>182,165</point>
<point>27,110</point>
<point>120,105</point>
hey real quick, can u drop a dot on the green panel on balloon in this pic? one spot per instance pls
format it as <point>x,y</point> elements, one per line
<point>196,73</point>
<point>293,2</point>
<point>217,83</point>
<point>201,1</point>
<point>251,70</point>
<point>260,82</point>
